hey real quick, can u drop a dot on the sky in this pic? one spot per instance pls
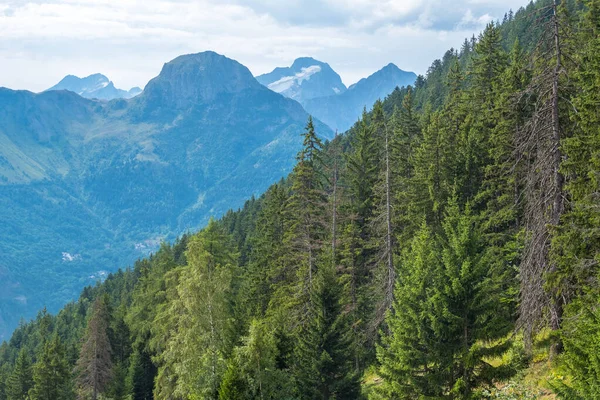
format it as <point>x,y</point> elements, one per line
<point>41,41</point>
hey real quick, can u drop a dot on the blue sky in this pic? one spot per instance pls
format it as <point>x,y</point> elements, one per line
<point>130,40</point>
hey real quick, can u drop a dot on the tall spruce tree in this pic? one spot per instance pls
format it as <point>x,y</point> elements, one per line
<point>323,367</point>
<point>356,251</point>
<point>576,247</point>
<point>51,372</point>
<point>449,319</point>
<point>410,353</point>
<point>20,381</point>
<point>307,227</point>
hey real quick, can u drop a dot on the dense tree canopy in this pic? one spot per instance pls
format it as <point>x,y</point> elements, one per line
<point>419,255</point>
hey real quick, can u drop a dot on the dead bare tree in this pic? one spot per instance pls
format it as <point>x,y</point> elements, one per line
<point>538,144</point>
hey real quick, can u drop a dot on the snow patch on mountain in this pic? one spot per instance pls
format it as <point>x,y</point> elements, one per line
<point>290,82</point>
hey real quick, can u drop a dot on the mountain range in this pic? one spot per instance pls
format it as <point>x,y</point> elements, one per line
<point>96,86</point>
<point>321,92</point>
<point>88,185</point>
<point>306,79</point>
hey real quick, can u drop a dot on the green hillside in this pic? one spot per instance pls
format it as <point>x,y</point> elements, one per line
<point>446,247</point>
<point>88,186</point>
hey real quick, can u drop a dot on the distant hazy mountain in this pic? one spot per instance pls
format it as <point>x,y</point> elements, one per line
<point>95,86</point>
<point>340,112</point>
<point>306,79</point>
<point>316,86</point>
<point>88,186</point>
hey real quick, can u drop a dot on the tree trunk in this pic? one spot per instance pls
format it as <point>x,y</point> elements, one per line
<point>558,201</point>
<point>388,206</point>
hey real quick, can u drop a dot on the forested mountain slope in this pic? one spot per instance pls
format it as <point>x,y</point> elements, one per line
<point>87,186</point>
<point>442,248</point>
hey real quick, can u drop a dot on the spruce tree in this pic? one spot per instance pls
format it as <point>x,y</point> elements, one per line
<point>20,381</point>
<point>469,306</point>
<point>4,374</point>
<point>449,319</point>
<point>323,367</point>
<point>306,216</point>
<point>356,250</point>
<point>576,247</point>
<point>51,372</point>
<point>409,355</point>
<point>266,264</point>
<point>139,382</point>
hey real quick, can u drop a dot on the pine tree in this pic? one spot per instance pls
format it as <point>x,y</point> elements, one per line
<point>486,72</point>
<point>408,354</point>
<point>4,374</point>
<point>94,366</point>
<point>581,338</point>
<point>306,210</point>
<point>405,138</point>
<point>323,368</point>
<point>139,382</point>
<point>469,305</point>
<point>576,247</point>
<point>449,319</point>
<point>20,380</point>
<point>266,265</point>
<point>51,372</point>
<point>383,230</point>
<point>357,255</point>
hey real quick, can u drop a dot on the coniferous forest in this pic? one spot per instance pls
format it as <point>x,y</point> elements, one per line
<point>445,247</point>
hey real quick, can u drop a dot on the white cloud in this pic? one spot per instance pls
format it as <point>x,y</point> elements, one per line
<point>129,40</point>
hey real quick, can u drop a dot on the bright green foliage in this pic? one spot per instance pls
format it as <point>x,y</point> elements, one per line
<point>51,372</point>
<point>21,379</point>
<point>194,356</point>
<point>471,314</point>
<point>252,372</point>
<point>581,339</point>
<point>280,300</point>
<point>407,355</point>
<point>449,316</point>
